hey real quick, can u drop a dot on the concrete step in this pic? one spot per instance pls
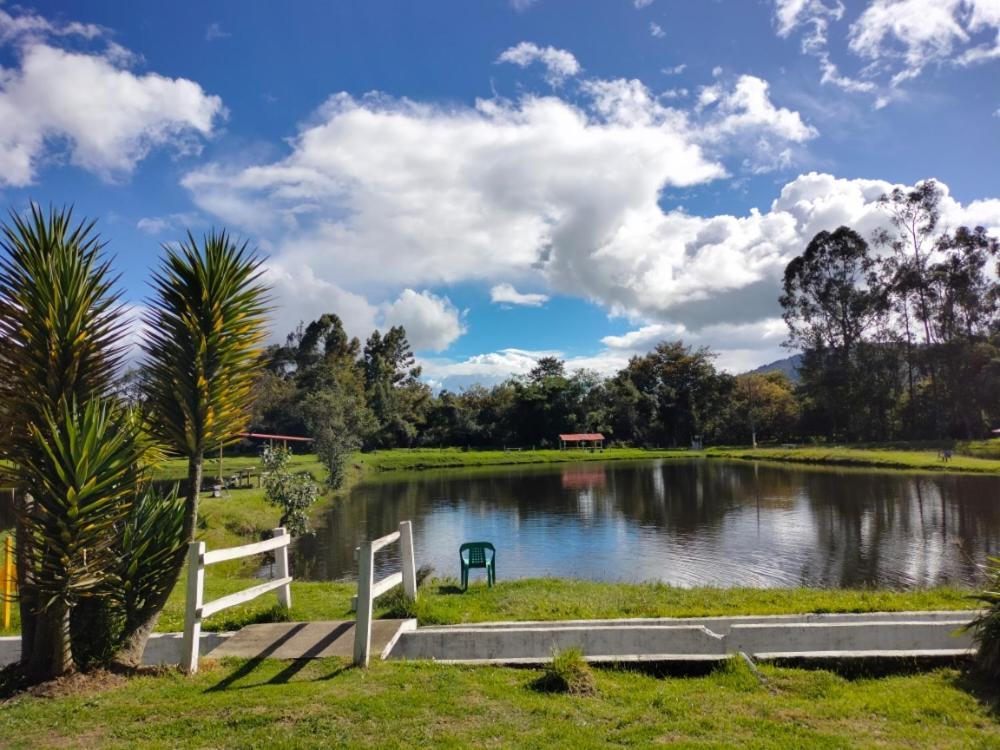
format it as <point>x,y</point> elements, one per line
<point>694,639</point>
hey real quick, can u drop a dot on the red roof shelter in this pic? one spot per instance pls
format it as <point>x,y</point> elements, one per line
<point>582,440</point>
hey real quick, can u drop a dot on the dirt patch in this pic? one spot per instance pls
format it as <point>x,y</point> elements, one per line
<point>15,684</point>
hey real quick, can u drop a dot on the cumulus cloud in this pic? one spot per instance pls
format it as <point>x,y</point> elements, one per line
<point>748,122</point>
<point>506,294</point>
<point>380,194</point>
<point>656,30</point>
<point>897,38</point>
<point>108,117</point>
<point>432,323</point>
<point>559,64</point>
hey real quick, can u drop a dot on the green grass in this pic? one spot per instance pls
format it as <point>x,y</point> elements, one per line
<point>409,459</point>
<point>881,458</point>
<point>322,703</point>
<point>441,602</point>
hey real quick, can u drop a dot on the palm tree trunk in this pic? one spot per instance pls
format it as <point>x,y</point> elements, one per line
<point>130,655</point>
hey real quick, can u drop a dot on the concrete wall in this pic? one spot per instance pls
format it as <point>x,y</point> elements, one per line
<point>162,648</point>
<point>880,634</point>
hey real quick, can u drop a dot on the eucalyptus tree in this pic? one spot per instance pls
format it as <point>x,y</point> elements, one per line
<point>833,303</point>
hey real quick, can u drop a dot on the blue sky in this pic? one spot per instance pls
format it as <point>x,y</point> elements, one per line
<point>505,179</point>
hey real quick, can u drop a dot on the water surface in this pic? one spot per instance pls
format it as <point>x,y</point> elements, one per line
<point>684,522</point>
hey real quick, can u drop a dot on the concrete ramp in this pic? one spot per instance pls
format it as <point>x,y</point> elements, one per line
<point>306,640</point>
<point>883,635</point>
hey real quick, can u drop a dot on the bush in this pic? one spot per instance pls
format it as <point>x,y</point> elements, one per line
<point>569,673</point>
<point>293,493</point>
<point>986,628</point>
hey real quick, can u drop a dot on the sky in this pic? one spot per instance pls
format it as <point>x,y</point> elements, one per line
<point>507,179</point>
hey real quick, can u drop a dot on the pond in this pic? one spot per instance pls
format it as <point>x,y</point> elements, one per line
<point>684,522</point>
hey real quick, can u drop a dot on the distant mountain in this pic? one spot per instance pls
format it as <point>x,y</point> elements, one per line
<point>788,365</point>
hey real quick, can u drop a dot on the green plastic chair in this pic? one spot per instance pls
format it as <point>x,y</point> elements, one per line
<point>477,559</point>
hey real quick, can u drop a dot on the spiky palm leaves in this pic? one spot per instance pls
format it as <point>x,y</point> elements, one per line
<point>72,453</point>
<point>60,322</point>
<point>986,627</point>
<point>206,326</point>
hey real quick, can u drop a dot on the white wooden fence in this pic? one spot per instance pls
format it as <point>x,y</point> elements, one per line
<point>197,610</point>
<point>369,590</point>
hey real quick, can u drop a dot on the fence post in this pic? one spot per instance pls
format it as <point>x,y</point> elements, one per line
<point>281,562</point>
<point>363,626</point>
<point>192,612</point>
<point>8,578</point>
<point>406,552</point>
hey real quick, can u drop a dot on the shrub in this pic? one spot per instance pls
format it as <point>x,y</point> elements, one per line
<point>293,493</point>
<point>568,673</point>
<point>986,628</point>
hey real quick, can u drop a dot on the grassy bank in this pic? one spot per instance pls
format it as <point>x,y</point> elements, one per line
<point>323,703</point>
<point>441,602</point>
<point>416,459</point>
<point>878,458</point>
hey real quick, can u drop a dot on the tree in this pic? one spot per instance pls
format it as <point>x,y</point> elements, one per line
<point>293,493</point>
<point>832,301</point>
<point>206,326</point>
<point>914,216</point>
<point>395,394</point>
<point>680,392</point>
<point>74,454</point>
<point>764,405</point>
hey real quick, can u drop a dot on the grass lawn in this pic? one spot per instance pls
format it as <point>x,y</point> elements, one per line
<point>879,458</point>
<point>324,703</point>
<point>441,602</point>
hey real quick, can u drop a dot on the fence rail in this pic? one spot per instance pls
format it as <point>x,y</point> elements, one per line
<point>369,589</point>
<point>197,609</point>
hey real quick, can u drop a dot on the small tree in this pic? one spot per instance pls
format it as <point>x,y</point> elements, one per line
<point>293,493</point>
<point>206,327</point>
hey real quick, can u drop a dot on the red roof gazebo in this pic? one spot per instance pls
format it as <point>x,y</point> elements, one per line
<point>581,440</point>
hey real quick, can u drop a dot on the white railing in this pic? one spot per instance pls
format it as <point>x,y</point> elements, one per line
<point>197,610</point>
<point>369,590</point>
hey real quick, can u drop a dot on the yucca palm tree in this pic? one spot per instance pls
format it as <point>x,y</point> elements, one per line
<point>60,334</point>
<point>205,331</point>
<point>84,475</point>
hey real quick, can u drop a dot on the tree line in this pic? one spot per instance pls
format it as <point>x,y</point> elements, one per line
<point>898,335</point>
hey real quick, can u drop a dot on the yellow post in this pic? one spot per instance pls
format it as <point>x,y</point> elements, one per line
<point>8,579</point>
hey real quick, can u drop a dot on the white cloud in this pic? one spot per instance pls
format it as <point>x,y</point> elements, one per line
<point>152,225</point>
<point>559,64</point>
<point>674,71</point>
<point>738,347</point>
<point>432,323</point>
<point>506,294</point>
<point>177,222</point>
<point>215,31</point>
<point>108,117</point>
<point>898,38</point>
<point>522,5</point>
<point>747,121</point>
<point>31,27</point>
<point>381,194</point>
<point>640,4</point>
<point>656,30</point>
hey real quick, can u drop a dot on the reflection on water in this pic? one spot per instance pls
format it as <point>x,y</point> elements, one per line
<point>688,523</point>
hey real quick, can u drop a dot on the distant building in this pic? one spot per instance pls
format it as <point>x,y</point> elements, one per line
<point>581,440</point>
